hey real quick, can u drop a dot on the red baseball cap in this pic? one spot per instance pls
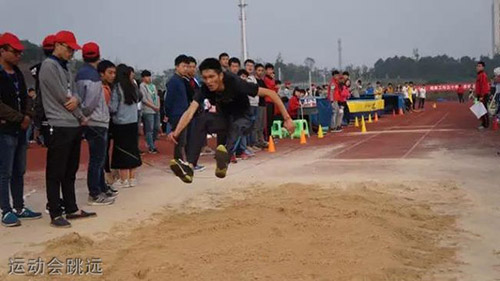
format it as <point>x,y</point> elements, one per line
<point>90,50</point>
<point>11,40</point>
<point>49,42</point>
<point>68,38</point>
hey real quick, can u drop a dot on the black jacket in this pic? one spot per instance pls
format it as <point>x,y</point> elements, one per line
<point>14,104</point>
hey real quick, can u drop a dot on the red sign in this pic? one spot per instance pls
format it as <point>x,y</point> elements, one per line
<point>447,87</point>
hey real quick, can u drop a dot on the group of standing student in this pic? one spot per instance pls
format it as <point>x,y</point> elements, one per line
<point>100,103</point>
<point>82,107</point>
<point>232,119</point>
<point>413,94</point>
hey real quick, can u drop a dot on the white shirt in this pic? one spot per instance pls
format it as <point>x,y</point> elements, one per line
<point>405,92</point>
<point>422,93</point>
<point>254,101</point>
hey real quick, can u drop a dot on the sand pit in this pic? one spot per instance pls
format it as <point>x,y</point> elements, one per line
<point>293,232</point>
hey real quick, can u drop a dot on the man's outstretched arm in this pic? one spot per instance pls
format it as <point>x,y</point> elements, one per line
<point>263,92</point>
<point>186,118</point>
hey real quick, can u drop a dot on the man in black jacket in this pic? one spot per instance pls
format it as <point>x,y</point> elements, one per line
<point>39,114</point>
<point>15,117</point>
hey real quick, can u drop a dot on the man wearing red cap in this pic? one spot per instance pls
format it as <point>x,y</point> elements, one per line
<point>89,89</point>
<point>62,108</point>
<point>15,117</point>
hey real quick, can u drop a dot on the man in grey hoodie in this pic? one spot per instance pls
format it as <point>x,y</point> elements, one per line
<point>61,106</point>
<point>94,108</point>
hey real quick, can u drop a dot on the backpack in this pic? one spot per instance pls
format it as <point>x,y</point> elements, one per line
<point>39,118</point>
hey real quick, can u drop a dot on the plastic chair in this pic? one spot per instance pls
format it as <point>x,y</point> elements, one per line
<point>276,129</point>
<point>300,125</point>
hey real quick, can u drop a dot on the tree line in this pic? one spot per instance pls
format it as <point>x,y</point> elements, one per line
<point>436,69</point>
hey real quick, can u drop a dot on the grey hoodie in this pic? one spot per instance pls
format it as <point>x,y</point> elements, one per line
<point>121,112</point>
<point>57,86</point>
<point>149,96</point>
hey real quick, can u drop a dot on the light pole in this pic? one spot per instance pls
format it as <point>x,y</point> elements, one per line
<point>340,53</point>
<point>243,19</point>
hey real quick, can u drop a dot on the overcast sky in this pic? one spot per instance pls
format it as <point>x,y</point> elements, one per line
<point>150,33</point>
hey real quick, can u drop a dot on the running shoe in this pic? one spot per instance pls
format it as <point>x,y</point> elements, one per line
<point>100,200</point>
<point>222,159</point>
<point>27,214</point>
<point>182,170</point>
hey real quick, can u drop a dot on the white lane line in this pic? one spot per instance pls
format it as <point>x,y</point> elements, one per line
<point>404,131</point>
<point>424,136</point>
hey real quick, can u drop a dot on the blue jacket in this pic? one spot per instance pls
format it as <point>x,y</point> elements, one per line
<point>176,100</point>
<point>89,88</point>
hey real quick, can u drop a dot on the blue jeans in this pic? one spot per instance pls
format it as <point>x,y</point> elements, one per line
<point>151,128</point>
<point>29,132</point>
<point>97,139</point>
<point>252,140</point>
<point>12,169</point>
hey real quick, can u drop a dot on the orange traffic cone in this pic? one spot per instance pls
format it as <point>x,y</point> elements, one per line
<point>271,148</point>
<point>375,119</point>
<point>303,137</point>
<point>495,124</point>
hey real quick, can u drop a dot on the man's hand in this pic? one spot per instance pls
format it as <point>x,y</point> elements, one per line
<point>156,109</point>
<point>165,119</point>
<point>289,125</point>
<point>172,137</point>
<point>26,122</point>
<point>84,121</point>
<point>71,104</point>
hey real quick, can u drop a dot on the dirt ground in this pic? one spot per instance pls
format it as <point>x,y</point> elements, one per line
<point>293,232</point>
<point>415,199</point>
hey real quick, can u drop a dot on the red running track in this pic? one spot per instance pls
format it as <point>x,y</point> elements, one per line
<point>451,126</point>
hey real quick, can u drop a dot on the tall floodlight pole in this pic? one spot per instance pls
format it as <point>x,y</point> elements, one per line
<point>340,54</point>
<point>243,19</point>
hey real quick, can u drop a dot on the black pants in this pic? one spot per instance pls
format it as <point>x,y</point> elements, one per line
<point>269,118</point>
<point>407,104</point>
<point>421,103</point>
<point>107,164</point>
<point>485,120</point>
<point>63,159</point>
<point>461,98</point>
<point>227,128</point>
<point>180,147</point>
<point>347,113</point>
<point>414,99</point>
<point>44,132</point>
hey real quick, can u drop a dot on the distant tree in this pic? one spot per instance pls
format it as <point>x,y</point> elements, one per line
<point>32,53</point>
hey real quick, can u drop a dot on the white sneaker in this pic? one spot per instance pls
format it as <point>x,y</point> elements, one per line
<point>121,184</point>
<point>132,182</point>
